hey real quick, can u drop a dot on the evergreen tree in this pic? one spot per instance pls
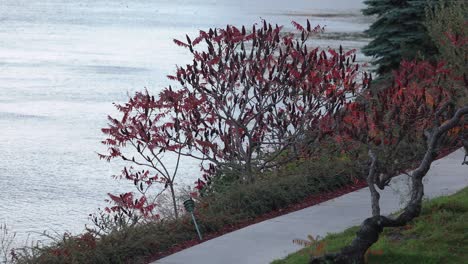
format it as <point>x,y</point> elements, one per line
<point>398,33</point>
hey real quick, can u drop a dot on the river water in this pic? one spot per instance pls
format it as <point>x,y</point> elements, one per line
<point>63,63</point>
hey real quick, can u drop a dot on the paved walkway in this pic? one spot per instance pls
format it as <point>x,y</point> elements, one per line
<point>266,241</point>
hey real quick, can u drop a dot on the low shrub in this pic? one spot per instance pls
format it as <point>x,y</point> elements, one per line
<point>237,204</point>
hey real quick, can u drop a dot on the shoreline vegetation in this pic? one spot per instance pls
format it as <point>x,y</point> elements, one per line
<point>278,126</point>
<point>151,241</point>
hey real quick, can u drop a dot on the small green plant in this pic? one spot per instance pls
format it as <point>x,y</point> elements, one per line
<point>314,246</point>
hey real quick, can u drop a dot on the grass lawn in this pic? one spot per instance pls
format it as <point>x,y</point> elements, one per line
<point>439,235</point>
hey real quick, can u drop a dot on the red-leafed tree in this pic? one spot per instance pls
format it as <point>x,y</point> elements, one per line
<point>251,98</point>
<point>246,103</point>
<point>126,210</point>
<point>141,137</point>
<point>420,108</point>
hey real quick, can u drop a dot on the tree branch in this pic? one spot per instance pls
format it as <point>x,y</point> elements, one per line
<point>375,196</point>
<point>371,228</point>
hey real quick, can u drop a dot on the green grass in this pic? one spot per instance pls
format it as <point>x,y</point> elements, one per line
<point>439,235</point>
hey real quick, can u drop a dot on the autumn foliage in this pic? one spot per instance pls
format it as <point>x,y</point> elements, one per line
<point>394,120</point>
<point>405,123</point>
<point>254,99</point>
<point>141,137</point>
<point>249,97</point>
<point>249,101</point>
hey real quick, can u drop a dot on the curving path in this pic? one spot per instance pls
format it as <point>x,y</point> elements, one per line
<point>266,241</point>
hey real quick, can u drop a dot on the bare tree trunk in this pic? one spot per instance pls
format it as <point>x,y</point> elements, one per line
<point>248,167</point>
<point>375,196</point>
<point>371,228</point>
<point>174,202</point>
<point>248,171</point>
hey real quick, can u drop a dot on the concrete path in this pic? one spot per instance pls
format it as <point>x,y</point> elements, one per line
<point>266,241</point>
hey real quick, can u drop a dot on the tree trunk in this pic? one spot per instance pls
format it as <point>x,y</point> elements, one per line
<point>371,228</point>
<point>174,202</point>
<point>248,169</point>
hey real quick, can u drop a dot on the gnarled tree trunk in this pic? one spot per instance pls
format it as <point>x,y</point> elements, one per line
<point>371,228</point>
